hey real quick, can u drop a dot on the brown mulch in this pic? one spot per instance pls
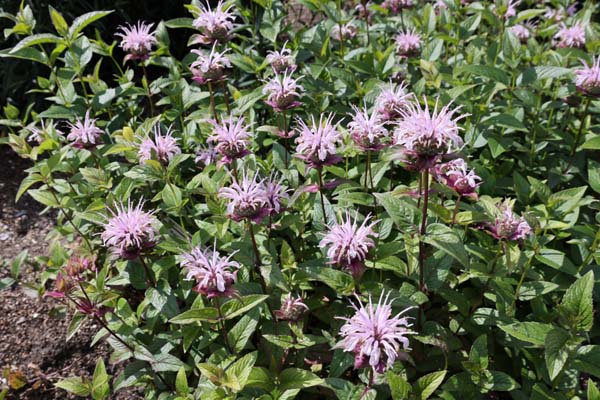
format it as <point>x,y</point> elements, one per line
<point>34,353</point>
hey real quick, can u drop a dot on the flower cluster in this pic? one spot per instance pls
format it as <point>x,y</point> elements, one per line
<point>343,33</point>
<point>84,134</point>
<point>521,32</point>
<point>161,148</point>
<point>137,40</point>
<point>291,309</point>
<point>282,61</point>
<point>318,143</point>
<point>587,79</point>
<point>209,67</point>
<point>456,176</point>
<point>391,101</point>
<point>408,43</point>
<point>368,130</point>
<point>248,199</point>
<point>395,6</point>
<point>508,226</point>
<point>283,92</point>
<point>214,275</point>
<point>570,37</point>
<point>215,25</point>
<point>231,138</point>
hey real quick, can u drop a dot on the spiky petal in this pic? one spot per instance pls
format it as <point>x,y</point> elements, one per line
<point>282,61</point>
<point>291,309</point>
<point>214,274</point>
<point>247,199</point>
<point>215,24</point>
<point>210,67</point>
<point>345,32</point>
<point>573,37</point>
<point>84,133</point>
<point>507,225</point>
<point>587,78</point>
<point>456,176</point>
<point>283,92</point>
<point>391,100</point>
<point>276,193</point>
<point>137,40</point>
<point>318,143</point>
<point>231,138</point>
<point>408,43</point>
<point>368,130</point>
<point>161,148</point>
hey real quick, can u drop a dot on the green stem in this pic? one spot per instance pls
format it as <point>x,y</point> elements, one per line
<point>456,206</point>
<point>148,93</point>
<point>320,171</point>
<point>423,230</point>
<point>222,325</point>
<point>212,102</point>
<point>147,270</point>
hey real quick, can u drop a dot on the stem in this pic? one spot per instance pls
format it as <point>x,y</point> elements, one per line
<point>257,261</point>
<point>212,102</point>
<point>391,176</point>
<point>339,10</point>
<point>455,210</point>
<point>69,220</point>
<point>371,379</point>
<point>370,171</point>
<point>366,11</point>
<point>226,97</point>
<point>402,18</point>
<point>147,270</point>
<point>425,182</point>
<point>525,269</point>
<point>148,93</point>
<point>222,324</point>
<point>285,142</point>
<point>581,125</point>
<point>319,169</point>
<point>233,168</point>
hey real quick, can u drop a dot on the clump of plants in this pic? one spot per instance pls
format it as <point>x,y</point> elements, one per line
<point>387,200</point>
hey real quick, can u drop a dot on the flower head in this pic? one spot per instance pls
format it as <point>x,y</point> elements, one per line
<point>137,40</point>
<point>348,243</point>
<point>511,9</point>
<point>247,199</point>
<point>84,133</point>
<point>214,274</point>
<point>425,135</point>
<point>368,130</point>
<point>457,177</point>
<point>345,32</point>
<point>587,79</point>
<point>521,32</point>
<point>206,155</point>
<point>282,61</point>
<point>40,134</point>
<point>275,193</point>
<point>390,101</point>
<point>554,14</point>
<point>162,148</point>
<point>375,337</point>
<point>130,230</point>
<point>395,6</point>
<point>408,43</point>
<point>209,67</point>
<point>291,309</point>
<point>215,25</point>
<point>318,144</point>
<point>570,37</point>
<point>231,138</point>
<point>507,225</point>
<point>283,92</point>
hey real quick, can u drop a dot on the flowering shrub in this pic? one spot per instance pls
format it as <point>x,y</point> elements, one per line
<point>395,200</point>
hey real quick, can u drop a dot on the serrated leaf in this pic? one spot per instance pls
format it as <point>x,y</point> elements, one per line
<point>34,40</point>
<point>577,303</point>
<point>296,378</point>
<point>479,352</point>
<point>236,307</point>
<point>556,353</point>
<point>530,332</point>
<point>427,385</point>
<point>445,239</point>
<point>84,20</point>
<point>75,385</point>
<point>241,332</point>
<point>181,383</point>
<point>100,386</point>
<point>237,375</point>
<point>399,387</point>
<point>206,314</point>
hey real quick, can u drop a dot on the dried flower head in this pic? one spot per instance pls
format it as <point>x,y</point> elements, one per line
<point>162,148</point>
<point>215,25</point>
<point>395,6</point>
<point>408,43</point>
<point>368,130</point>
<point>318,143</point>
<point>345,32</point>
<point>137,40</point>
<point>210,67</point>
<point>130,230</point>
<point>283,92</point>
<point>291,309</point>
<point>507,225</point>
<point>348,243</point>
<point>247,199</point>
<point>587,79</point>
<point>231,138</point>
<point>276,193</point>
<point>375,337</point>
<point>391,101</point>
<point>456,176</point>
<point>570,37</point>
<point>214,274</point>
<point>78,265</point>
<point>282,61</point>
<point>84,133</point>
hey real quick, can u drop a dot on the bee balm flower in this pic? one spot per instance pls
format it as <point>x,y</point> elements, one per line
<point>521,32</point>
<point>317,144</point>
<point>291,309</point>
<point>137,40</point>
<point>390,101</point>
<point>275,193</point>
<point>215,24</point>
<point>408,43</point>
<point>346,32</point>
<point>587,79</point>
<point>84,133</point>
<point>509,226</point>
<point>395,6</point>
<point>283,92</point>
<point>375,337</point>
<point>455,175</point>
<point>209,67</point>
<point>162,147</point>
<point>570,37</point>
<point>368,131</point>
<point>231,138</point>
<point>282,61</point>
<point>214,274</point>
<point>247,200</point>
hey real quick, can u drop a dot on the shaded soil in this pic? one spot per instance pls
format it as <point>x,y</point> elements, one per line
<point>34,353</point>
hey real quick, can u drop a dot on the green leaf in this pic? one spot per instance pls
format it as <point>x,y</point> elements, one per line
<point>84,20</point>
<point>549,72</point>
<point>236,307</point>
<point>27,183</point>
<point>530,332</point>
<point>532,290</point>
<point>239,335</point>
<point>577,303</point>
<point>58,21</point>
<point>100,386</point>
<point>587,360</point>
<point>594,175</point>
<point>592,390</point>
<point>399,386</point>
<point>75,385</point>
<point>206,314</point>
<point>479,352</point>
<point>172,197</point>
<point>485,71</point>
<point>427,385</point>
<point>445,239</point>
<point>181,383</point>
<point>556,353</point>
<point>401,211</point>
<point>296,378</point>
<point>34,40</point>
<point>237,375</point>
<point>592,144</point>
<point>43,196</point>
<point>499,381</point>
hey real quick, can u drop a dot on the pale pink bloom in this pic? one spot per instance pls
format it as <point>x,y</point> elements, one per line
<point>554,15</point>
<point>511,9</point>
<point>572,9</point>
<point>137,40</point>
<point>291,309</point>
<point>130,230</point>
<point>276,193</point>
<point>507,225</point>
<point>84,133</point>
<point>215,24</point>
<point>162,148</point>
<point>408,43</point>
<point>231,138</point>
<point>247,199</point>
<point>570,37</point>
<point>426,135</point>
<point>363,12</point>
<point>40,134</point>
<point>206,156</point>
<point>348,243</point>
<point>456,176</point>
<point>346,32</point>
<point>440,5</point>
<point>375,337</point>
<point>587,79</point>
<point>368,130</point>
<point>318,144</point>
<point>390,101</point>
<point>209,67</point>
<point>521,32</point>
<point>395,6</point>
<point>282,61</point>
<point>283,92</point>
<point>214,275</point>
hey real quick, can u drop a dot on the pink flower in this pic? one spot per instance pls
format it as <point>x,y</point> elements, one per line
<point>346,32</point>
<point>231,138</point>
<point>214,274</point>
<point>318,144</point>
<point>507,225</point>
<point>554,15</point>
<point>84,133</point>
<point>348,243</point>
<point>283,92</point>
<point>291,308</point>
<point>455,175</point>
<point>209,67</point>
<point>78,265</point>
<point>587,79</point>
<point>206,155</point>
<point>511,9</point>
<point>426,136</point>
<point>570,37</point>
<point>375,337</point>
<point>408,43</point>
<point>396,5</point>
<point>368,131</point>
<point>390,101</point>
<point>363,12</point>
<point>282,61</point>
<point>521,32</point>
<point>162,148</point>
<point>40,134</point>
<point>275,194</point>
<point>130,230</point>
<point>137,40</point>
<point>247,199</point>
<point>215,24</point>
